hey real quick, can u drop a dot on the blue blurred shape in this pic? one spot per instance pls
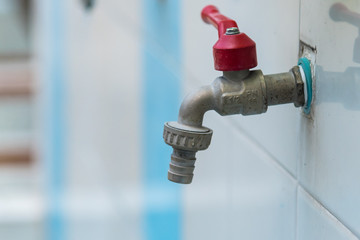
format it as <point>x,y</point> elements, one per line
<point>161,84</point>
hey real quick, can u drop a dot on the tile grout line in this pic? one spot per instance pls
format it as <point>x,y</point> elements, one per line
<point>274,162</point>
<point>280,166</point>
<point>252,140</point>
<point>296,211</point>
<point>327,211</point>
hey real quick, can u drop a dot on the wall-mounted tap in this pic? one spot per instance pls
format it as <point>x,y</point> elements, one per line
<point>238,91</point>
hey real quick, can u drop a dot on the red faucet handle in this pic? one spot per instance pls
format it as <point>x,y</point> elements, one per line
<point>234,51</point>
<point>210,14</point>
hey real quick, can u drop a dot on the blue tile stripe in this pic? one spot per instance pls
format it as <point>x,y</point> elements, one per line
<point>161,56</point>
<point>55,130</point>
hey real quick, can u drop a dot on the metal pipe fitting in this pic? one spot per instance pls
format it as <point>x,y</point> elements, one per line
<point>186,141</point>
<point>236,92</point>
<point>285,88</point>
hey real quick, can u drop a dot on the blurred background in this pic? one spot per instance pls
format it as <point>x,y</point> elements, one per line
<point>86,86</point>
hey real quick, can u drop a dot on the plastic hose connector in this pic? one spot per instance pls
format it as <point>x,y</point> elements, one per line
<point>304,63</point>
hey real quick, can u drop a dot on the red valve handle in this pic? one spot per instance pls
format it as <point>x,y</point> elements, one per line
<point>210,14</point>
<point>234,51</point>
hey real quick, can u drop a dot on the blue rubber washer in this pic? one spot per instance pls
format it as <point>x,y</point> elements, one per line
<point>305,64</point>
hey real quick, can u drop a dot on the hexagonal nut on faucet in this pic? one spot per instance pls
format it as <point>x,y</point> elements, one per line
<point>186,141</point>
<point>299,87</point>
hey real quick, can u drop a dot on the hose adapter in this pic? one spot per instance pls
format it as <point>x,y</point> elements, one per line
<point>186,141</point>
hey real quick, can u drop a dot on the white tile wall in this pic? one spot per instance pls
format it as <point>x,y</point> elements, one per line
<point>237,186</point>
<point>315,222</point>
<point>329,164</point>
<point>317,154</point>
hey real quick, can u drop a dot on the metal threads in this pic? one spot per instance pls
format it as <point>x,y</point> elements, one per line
<point>282,88</point>
<point>198,138</point>
<point>182,166</point>
<point>232,31</point>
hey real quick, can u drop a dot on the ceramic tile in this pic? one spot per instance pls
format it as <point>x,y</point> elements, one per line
<point>237,189</point>
<point>315,222</point>
<point>329,165</point>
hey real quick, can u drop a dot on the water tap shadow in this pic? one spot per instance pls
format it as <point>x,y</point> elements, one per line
<point>340,13</point>
<point>341,87</point>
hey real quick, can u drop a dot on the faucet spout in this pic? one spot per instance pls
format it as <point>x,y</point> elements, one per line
<point>195,105</point>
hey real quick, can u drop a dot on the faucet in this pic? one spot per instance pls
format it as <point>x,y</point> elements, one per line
<point>237,91</point>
